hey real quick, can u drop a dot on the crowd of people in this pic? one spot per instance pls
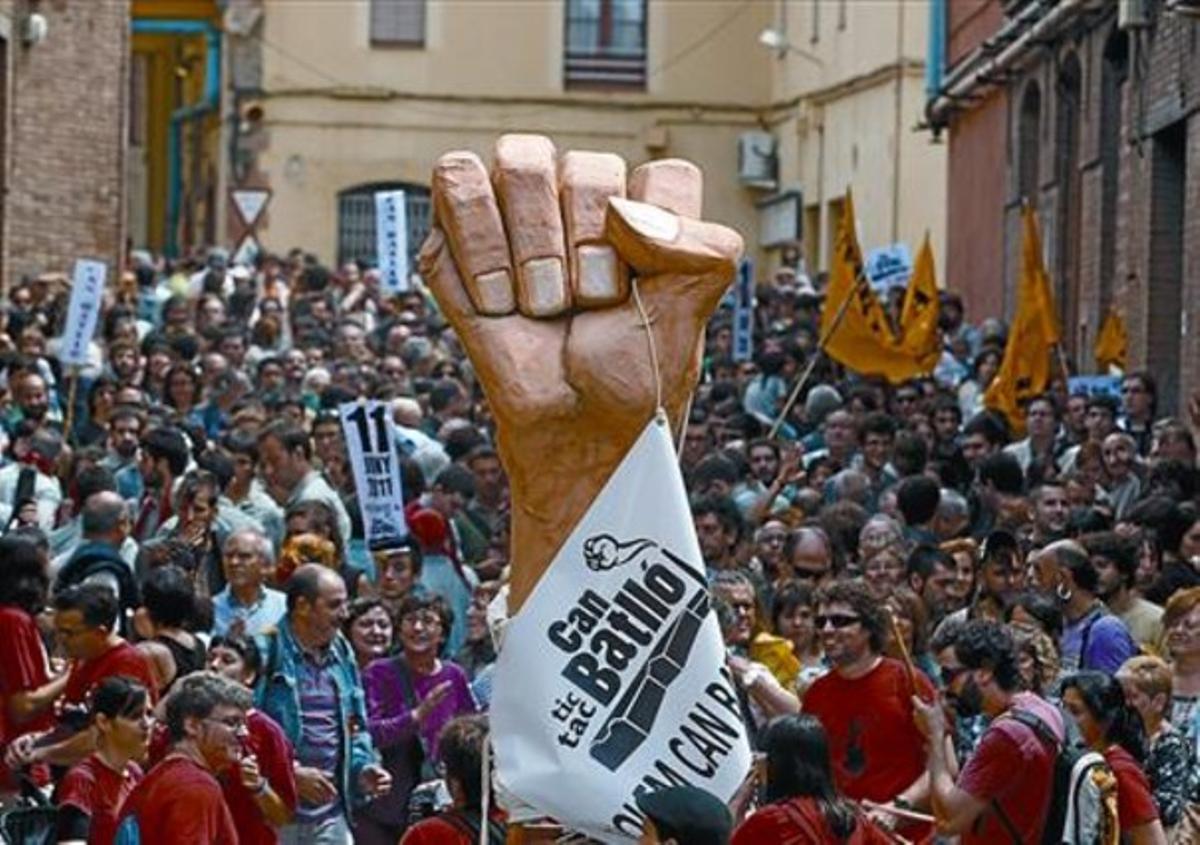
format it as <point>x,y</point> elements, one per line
<point>197,644</point>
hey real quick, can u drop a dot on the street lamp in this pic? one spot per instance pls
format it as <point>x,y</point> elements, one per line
<point>776,40</point>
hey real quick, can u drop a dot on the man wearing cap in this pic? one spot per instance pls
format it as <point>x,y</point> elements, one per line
<point>683,815</point>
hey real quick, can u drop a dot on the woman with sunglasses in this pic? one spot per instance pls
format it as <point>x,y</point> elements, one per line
<point>89,797</point>
<point>1109,726</point>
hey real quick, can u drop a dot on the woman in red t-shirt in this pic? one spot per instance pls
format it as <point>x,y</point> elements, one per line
<point>90,796</point>
<point>802,803</point>
<point>1111,727</point>
<point>26,690</point>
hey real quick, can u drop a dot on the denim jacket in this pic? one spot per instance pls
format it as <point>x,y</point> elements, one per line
<point>278,695</point>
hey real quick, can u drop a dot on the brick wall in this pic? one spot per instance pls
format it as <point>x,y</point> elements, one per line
<point>1145,255</point>
<point>66,138</point>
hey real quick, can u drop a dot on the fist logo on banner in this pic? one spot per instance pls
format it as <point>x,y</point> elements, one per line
<point>630,692</point>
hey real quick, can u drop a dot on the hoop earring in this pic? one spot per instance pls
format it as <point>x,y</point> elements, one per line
<point>1062,592</point>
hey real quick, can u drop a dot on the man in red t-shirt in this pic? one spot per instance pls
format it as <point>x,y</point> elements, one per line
<point>980,674</point>
<point>865,703</point>
<point>84,620</point>
<point>180,800</point>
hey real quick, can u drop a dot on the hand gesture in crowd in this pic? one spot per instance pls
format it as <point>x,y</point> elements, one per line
<point>314,786</point>
<point>431,701</point>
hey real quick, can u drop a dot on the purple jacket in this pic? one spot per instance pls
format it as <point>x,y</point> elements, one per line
<point>389,718</point>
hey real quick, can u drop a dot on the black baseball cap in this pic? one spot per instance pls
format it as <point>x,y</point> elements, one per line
<point>688,815</point>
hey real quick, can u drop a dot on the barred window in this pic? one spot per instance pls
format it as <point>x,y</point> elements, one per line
<point>356,220</point>
<point>399,22</point>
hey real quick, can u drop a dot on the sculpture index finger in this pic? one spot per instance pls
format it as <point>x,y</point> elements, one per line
<point>470,217</point>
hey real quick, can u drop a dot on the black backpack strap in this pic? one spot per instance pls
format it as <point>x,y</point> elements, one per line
<point>1007,824</point>
<point>1035,724</point>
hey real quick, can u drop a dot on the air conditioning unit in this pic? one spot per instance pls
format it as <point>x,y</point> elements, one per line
<point>1133,14</point>
<point>1186,8</point>
<point>758,160</point>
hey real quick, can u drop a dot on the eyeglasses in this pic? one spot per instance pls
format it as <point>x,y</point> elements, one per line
<point>429,620</point>
<point>837,620</point>
<point>234,723</point>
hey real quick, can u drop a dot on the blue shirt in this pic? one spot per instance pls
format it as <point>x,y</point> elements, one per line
<point>256,619</point>
<point>1109,643</point>
<point>320,729</point>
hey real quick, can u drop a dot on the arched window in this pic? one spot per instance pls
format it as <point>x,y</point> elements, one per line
<point>356,220</point>
<point>1113,76</point>
<point>1029,133</point>
<point>1068,89</point>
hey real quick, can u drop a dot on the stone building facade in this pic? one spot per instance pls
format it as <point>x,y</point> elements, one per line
<point>1091,111</point>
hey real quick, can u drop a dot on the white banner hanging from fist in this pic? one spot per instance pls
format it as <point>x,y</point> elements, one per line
<point>611,680</point>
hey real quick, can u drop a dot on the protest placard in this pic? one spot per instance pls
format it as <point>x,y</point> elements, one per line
<point>369,433</point>
<point>87,287</point>
<point>611,678</point>
<point>889,266</point>
<point>743,312</point>
<point>391,241</point>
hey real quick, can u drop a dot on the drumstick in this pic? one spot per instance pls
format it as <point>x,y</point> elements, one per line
<point>898,812</point>
<point>909,669</point>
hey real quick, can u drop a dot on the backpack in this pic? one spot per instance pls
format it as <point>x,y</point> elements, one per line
<point>1083,799</point>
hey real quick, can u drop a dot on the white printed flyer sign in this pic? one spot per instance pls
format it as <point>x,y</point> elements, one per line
<point>611,679</point>
<point>370,433</point>
<point>391,241</point>
<point>87,286</point>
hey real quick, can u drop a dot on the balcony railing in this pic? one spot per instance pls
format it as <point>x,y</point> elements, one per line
<point>605,68</point>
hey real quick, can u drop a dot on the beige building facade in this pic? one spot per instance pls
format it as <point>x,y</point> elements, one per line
<point>339,98</point>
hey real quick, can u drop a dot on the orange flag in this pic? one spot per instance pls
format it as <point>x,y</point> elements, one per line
<point>863,339</point>
<point>919,317</point>
<point>1043,299</point>
<point>1025,371</point>
<point>1112,344</point>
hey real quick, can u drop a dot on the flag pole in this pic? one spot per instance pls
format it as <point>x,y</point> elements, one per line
<point>812,363</point>
<point>1062,363</point>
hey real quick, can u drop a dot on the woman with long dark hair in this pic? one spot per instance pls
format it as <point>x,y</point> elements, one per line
<point>801,802</point>
<point>1112,728</point>
<point>89,798</point>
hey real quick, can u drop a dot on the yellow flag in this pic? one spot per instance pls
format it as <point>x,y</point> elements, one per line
<point>1025,370</point>
<point>1043,299</point>
<point>1112,344</point>
<point>919,316</point>
<point>863,339</point>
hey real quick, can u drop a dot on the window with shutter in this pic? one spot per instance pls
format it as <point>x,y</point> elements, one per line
<point>399,22</point>
<point>605,44</point>
<point>356,220</point>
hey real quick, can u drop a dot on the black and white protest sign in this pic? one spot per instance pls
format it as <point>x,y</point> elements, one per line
<point>743,312</point>
<point>87,286</point>
<point>369,435</point>
<point>391,241</point>
<point>611,678</point>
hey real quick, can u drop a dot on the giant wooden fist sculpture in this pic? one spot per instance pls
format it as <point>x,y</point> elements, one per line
<point>531,263</point>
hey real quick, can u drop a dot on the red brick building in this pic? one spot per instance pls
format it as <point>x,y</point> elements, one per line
<point>1090,109</point>
<point>64,69</point>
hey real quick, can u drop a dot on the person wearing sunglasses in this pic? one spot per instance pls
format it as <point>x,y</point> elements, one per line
<point>865,704</point>
<point>985,803</point>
